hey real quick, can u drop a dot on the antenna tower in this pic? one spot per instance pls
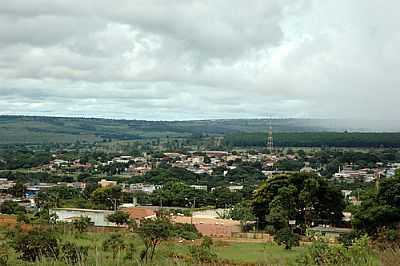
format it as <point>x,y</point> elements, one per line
<point>270,139</point>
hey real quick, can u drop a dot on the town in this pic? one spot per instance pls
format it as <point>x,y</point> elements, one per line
<point>210,133</point>
<point>214,191</point>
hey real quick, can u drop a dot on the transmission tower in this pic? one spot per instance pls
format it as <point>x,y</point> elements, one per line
<point>270,139</point>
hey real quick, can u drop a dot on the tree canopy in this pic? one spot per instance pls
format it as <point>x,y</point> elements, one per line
<point>304,197</point>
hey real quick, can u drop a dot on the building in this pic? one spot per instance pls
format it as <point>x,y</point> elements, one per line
<point>199,187</point>
<point>210,226</point>
<point>139,170</point>
<point>330,233</point>
<point>141,187</point>
<point>216,153</point>
<point>235,188</point>
<point>97,217</point>
<point>107,183</point>
<point>139,214</point>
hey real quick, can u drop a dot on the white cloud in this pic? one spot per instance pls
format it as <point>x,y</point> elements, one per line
<point>200,59</point>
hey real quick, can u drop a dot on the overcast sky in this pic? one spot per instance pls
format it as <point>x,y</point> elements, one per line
<point>178,60</point>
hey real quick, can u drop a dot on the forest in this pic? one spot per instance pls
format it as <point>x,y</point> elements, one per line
<point>315,139</point>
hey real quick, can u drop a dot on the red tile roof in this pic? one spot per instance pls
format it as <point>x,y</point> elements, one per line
<point>139,213</point>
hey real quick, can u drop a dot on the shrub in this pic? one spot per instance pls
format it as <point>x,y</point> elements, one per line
<point>119,217</point>
<point>185,231</point>
<point>36,244</point>
<point>204,252</point>
<point>321,253</point>
<point>81,224</point>
<point>153,232</point>
<point>115,243</point>
<point>73,254</point>
<point>286,237</point>
<point>11,207</point>
<point>4,252</point>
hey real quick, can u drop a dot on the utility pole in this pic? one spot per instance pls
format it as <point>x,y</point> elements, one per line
<point>114,201</point>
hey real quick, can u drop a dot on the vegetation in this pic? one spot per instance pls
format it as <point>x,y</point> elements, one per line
<point>153,232</point>
<point>119,217</point>
<point>315,139</point>
<point>305,198</point>
<point>380,208</point>
<point>321,253</point>
<point>11,207</point>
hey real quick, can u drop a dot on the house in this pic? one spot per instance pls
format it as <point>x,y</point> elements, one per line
<point>199,187</point>
<point>138,214</point>
<point>141,187</point>
<point>235,188</point>
<point>210,226</point>
<point>139,170</point>
<point>107,183</point>
<point>216,153</point>
<point>97,217</point>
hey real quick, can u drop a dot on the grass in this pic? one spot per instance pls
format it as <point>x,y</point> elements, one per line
<point>265,253</point>
<point>169,253</point>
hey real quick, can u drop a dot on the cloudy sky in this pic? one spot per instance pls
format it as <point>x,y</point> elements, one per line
<point>200,59</point>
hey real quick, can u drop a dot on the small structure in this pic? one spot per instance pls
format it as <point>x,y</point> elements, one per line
<point>139,214</point>
<point>199,187</point>
<point>97,217</point>
<point>330,233</point>
<point>107,183</point>
<point>210,226</point>
<point>235,188</point>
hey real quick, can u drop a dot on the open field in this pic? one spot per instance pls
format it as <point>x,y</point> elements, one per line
<point>171,252</point>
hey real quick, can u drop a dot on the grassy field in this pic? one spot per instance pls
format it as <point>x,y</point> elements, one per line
<point>169,253</point>
<point>263,253</point>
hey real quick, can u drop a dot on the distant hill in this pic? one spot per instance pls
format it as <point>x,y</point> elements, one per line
<point>40,129</point>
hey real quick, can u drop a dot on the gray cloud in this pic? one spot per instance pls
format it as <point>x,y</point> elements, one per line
<point>200,59</point>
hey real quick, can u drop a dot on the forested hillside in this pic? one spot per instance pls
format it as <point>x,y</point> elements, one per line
<point>35,129</point>
<point>316,139</point>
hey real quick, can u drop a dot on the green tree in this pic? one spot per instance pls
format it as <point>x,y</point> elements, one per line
<point>204,252</point>
<point>380,208</point>
<point>81,224</point>
<point>11,207</point>
<point>36,244</point>
<point>119,217</point>
<point>74,254</point>
<point>106,197</point>
<point>153,232</point>
<point>115,243</point>
<point>286,237</point>
<point>18,190</point>
<point>242,212</point>
<point>303,197</point>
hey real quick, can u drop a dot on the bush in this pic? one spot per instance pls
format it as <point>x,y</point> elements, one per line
<point>203,253</point>
<point>185,231</point>
<point>119,217</point>
<point>81,224</point>
<point>115,243</point>
<point>36,244</point>
<point>388,238</point>
<point>321,253</point>
<point>11,207</point>
<point>286,237</point>
<point>73,254</point>
<point>4,252</point>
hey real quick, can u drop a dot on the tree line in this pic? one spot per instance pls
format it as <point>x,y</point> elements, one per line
<point>315,139</point>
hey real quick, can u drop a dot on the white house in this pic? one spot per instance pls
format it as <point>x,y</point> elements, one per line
<point>97,217</point>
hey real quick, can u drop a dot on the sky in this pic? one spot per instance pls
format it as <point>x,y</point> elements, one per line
<point>181,60</point>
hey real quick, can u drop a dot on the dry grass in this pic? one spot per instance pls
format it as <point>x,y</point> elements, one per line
<point>390,257</point>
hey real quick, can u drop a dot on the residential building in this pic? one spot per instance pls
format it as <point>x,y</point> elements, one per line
<point>97,217</point>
